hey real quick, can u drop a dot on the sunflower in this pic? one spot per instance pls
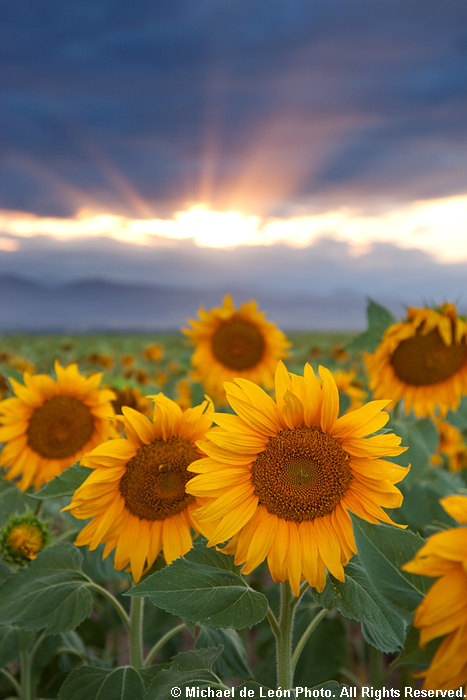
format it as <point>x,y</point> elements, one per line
<point>23,538</point>
<point>136,494</point>
<point>231,343</point>
<point>443,611</point>
<point>347,383</point>
<point>132,397</point>
<point>48,425</point>
<point>282,475</point>
<point>422,360</point>
<point>451,445</point>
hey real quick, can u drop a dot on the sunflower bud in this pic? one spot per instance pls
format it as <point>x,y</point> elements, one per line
<point>23,538</point>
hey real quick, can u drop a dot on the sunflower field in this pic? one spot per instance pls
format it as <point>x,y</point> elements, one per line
<point>232,512</point>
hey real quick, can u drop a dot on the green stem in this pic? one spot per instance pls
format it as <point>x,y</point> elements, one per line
<point>26,681</point>
<point>159,644</point>
<point>12,680</point>
<point>111,598</point>
<point>284,639</point>
<point>305,636</point>
<point>136,632</point>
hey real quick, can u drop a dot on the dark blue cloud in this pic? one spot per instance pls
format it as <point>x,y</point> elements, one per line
<point>348,99</point>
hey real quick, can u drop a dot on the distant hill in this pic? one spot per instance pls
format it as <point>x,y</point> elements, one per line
<point>101,305</point>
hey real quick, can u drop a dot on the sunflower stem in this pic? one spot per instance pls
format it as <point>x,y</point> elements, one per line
<point>283,635</point>
<point>305,636</point>
<point>160,643</point>
<point>26,680</point>
<point>136,632</point>
<point>111,598</point>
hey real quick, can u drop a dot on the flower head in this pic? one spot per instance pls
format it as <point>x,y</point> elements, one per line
<point>136,494</point>
<point>233,343</point>
<point>48,425</point>
<point>23,538</point>
<point>451,445</point>
<point>281,476</point>
<point>422,360</point>
<point>443,611</point>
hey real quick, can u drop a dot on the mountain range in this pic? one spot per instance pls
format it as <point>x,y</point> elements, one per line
<point>97,305</point>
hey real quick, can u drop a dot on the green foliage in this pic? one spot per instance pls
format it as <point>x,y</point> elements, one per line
<point>51,593</point>
<point>421,438</point>
<point>382,550</point>
<point>205,586</point>
<point>12,642</point>
<point>12,501</point>
<point>191,668</point>
<point>379,319</point>
<point>326,651</point>
<point>87,682</point>
<point>65,484</point>
<point>233,661</point>
<point>358,599</point>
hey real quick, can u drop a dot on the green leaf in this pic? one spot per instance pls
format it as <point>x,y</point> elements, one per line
<point>378,316</point>
<point>379,319</point>
<point>87,682</point>
<point>326,651</point>
<point>233,661</point>
<point>12,501</point>
<point>412,655</point>
<point>190,668</point>
<point>358,599</point>
<point>421,437</point>
<point>205,587</point>
<point>421,508</point>
<point>65,484</point>
<point>51,593</point>
<point>382,550</point>
<point>12,642</point>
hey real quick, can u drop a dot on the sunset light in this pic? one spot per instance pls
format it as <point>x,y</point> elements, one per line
<point>435,226</point>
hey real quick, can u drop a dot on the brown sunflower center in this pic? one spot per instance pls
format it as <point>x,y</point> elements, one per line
<point>153,485</point>
<point>60,427</point>
<point>237,344</point>
<point>302,474</point>
<point>424,360</point>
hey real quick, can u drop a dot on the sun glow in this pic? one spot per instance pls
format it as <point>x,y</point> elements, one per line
<point>435,226</point>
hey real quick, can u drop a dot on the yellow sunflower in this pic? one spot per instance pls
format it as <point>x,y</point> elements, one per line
<point>282,475</point>
<point>232,343</point>
<point>48,425</point>
<point>443,611</point>
<point>347,383</point>
<point>452,445</point>
<point>136,494</point>
<point>422,360</point>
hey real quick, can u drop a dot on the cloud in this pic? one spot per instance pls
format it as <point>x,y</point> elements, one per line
<point>270,106</point>
<point>328,266</point>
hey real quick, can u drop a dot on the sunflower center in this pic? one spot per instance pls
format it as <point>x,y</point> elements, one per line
<point>153,485</point>
<point>425,360</point>
<point>60,427</point>
<point>302,474</point>
<point>237,344</point>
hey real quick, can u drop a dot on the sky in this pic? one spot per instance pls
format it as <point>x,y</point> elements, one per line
<point>302,146</point>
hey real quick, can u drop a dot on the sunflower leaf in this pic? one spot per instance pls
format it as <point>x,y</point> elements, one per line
<point>87,682</point>
<point>65,484</point>
<point>358,599</point>
<point>12,501</point>
<point>382,550</point>
<point>12,642</point>
<point>205,587</point>
<point>51,593</point>
<point>190,668</point>
<point>233,661</point>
